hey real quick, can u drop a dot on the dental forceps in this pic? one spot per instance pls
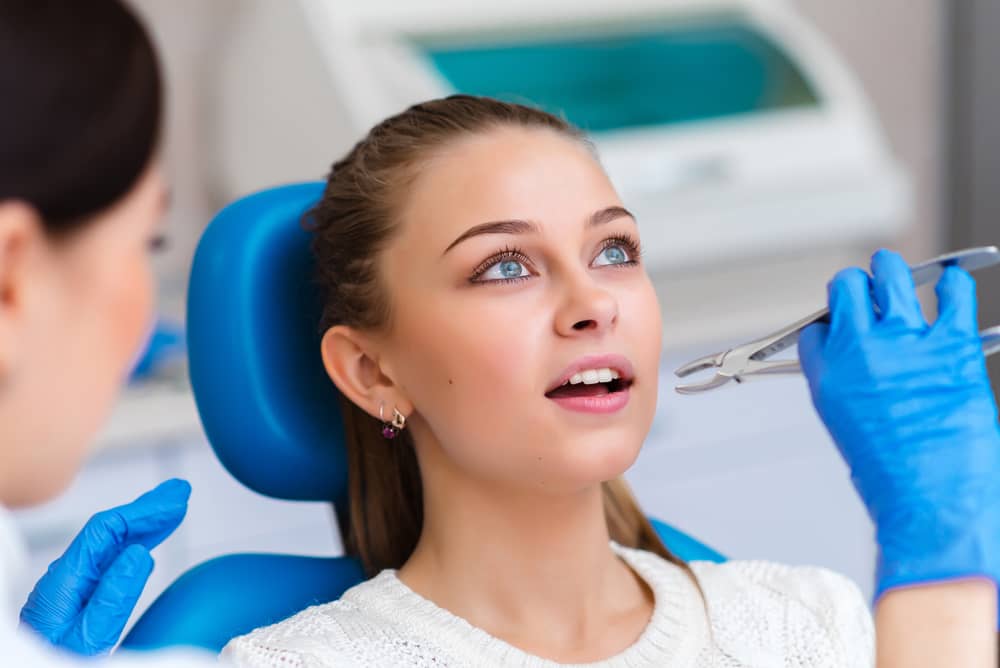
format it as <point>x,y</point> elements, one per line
<point>751,359</point>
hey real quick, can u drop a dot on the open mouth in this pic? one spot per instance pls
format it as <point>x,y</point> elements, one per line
<point>595,384</point>
<point>598,389</point>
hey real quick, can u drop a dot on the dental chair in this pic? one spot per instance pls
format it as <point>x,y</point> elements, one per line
<point>271,414</point>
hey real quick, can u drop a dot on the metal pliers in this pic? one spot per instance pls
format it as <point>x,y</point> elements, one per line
<point>751,359</point>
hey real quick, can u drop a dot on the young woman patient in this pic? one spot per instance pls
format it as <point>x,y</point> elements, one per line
<point>496,341</point>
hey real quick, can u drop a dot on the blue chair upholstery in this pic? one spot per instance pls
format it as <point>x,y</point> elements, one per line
<point>268,408</point>
<point>271,415</point>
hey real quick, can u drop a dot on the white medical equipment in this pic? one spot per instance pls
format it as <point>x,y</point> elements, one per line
<point>729,127</point>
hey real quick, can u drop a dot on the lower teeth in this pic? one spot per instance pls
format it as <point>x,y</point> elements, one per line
<point>595,390</point>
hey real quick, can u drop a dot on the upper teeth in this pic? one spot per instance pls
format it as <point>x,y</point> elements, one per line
<point>592,376</point>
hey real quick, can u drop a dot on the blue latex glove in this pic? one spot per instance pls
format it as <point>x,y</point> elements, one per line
<point>912,412</point>
<point>85,598</point>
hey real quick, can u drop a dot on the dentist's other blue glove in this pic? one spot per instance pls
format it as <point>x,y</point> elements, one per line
<point>85,598</point>
<point>912,412</point>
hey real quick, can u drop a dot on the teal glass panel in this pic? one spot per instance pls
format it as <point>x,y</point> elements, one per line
<point>627,79</point>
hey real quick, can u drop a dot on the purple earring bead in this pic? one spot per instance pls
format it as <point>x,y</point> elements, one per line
<point>388,431</point>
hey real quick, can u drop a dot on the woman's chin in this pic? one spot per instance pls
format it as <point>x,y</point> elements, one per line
<point>38,486</point>
<point>583,463</point>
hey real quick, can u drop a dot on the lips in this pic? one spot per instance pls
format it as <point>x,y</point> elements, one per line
<point>597,391</point>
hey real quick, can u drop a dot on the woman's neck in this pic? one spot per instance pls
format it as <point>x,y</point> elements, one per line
<point>533,569</point>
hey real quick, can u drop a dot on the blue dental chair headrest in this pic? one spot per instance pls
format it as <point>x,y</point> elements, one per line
<point>254,342</point>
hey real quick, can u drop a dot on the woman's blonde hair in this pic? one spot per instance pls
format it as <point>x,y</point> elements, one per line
<point>355,219</point>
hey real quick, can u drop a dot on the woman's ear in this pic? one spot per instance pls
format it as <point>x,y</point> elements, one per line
<point>352,365</point>
<point>21,231</point>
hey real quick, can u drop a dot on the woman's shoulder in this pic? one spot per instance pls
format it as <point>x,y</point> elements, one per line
<point>339,633</point>
<point>735,586</point>
<point>813,586</point>
<point>816,610</point>
<point>288,642</point>
<point>818,589</point>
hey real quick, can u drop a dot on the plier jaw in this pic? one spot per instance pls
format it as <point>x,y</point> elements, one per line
<point>735,364</point>
<point>750,359</point>
<point>713,361</point>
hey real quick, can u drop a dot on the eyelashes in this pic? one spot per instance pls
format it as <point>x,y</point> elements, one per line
<point>630,244</point>
<point>508,253</point>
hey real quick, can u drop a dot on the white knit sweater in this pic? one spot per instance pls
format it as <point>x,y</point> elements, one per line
<point>761,615</point>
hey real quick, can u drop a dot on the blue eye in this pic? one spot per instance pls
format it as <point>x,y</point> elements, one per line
<point>613,254</point>
<point>504,270</point>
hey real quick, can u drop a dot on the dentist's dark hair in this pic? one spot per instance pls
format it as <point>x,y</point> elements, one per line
<point>352,223</point>
<point>81,104</point>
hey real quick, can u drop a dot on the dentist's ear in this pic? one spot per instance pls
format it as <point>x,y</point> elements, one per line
<point>352,364</point>
<point>21,237</point>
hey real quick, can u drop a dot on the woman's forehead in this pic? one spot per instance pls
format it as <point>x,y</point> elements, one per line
<point>536,175</point>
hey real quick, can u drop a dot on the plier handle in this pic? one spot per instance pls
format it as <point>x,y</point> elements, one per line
<point>751,359</point>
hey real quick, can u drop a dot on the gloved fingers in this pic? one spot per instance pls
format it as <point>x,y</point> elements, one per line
<point>102,620</point>
<point>49,608</point>
<point>851,310</point>
<point>957,303</point>
<point>812,339</point>
<point>70,580</point>
<point>895,294</point>
<point>157,513</point>
<point>58,596</point>
<point>147,521</point>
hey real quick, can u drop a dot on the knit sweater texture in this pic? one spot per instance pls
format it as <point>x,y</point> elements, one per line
<point>754,614</point>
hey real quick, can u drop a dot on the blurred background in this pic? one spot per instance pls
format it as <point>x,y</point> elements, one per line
<point>763,146</point>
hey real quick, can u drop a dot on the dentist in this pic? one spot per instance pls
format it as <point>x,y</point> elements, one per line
<point>82,196</point>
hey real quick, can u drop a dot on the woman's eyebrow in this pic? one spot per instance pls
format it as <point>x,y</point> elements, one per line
<point>608,214</point>
<point>600,217</point>
<point>495,227</point>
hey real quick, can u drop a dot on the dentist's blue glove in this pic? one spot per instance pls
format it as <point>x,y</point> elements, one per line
<point>85,598</point>
<point>912,412</point>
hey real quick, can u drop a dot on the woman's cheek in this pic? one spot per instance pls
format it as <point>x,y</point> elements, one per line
<point>482,376</point>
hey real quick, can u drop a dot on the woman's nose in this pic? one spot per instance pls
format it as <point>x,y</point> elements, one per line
<point>587,308</point>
